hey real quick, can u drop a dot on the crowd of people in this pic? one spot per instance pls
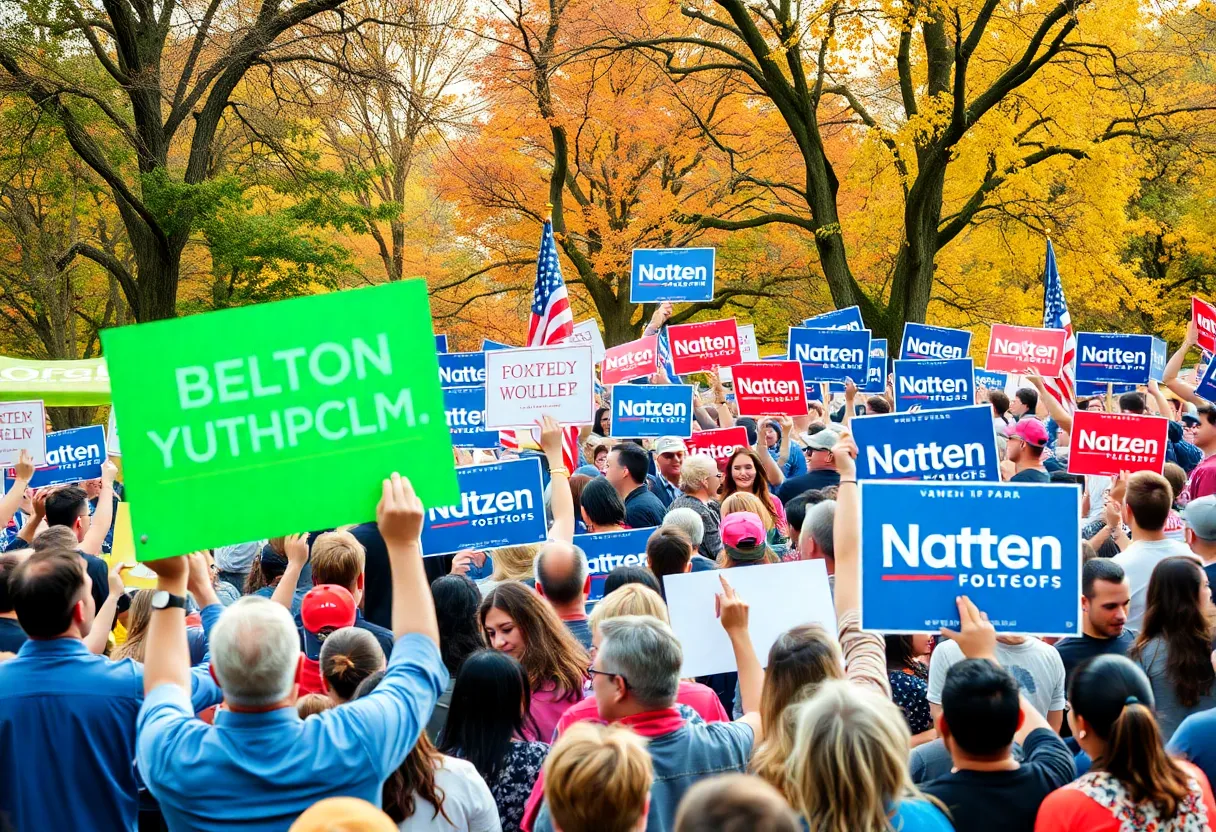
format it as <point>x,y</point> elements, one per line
<point>342,680</point>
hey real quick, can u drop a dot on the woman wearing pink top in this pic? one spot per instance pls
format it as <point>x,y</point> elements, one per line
<point>518,622</point>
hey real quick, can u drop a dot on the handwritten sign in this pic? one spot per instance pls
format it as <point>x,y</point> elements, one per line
<point>522,385</point>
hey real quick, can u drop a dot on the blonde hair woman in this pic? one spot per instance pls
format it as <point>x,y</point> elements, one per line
<point>700,480</point>
<point>849,768</point>
<point>597,779</point>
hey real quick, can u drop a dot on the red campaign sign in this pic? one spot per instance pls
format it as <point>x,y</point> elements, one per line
<point>1204,315</point>
<point>769,388</point>
<point>1025,349</point>
<point>717,444</point>
<point>1107,443</point>
<point>703,346</point>
<point>636,359</point>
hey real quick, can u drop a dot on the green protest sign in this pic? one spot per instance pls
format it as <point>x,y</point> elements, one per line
<point>57,383</point>
<point>280,418</point>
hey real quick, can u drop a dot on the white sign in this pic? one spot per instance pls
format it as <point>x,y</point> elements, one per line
<point>524,385</point>
<point>112,446</point>
<point>587,334</point>
<point>22,427</point>
<point>779,596</point>
<point>747,349</point>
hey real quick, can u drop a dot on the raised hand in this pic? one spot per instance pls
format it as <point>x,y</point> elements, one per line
<point>976,636</point>
<point>844,453</point>
<point>731,610</point>
<point>399,514</point>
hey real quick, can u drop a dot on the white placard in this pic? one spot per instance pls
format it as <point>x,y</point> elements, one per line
<point>747,349</point>
<point>112,446</point>
<point>526,384</point>
<point>588,334</point>
<point>22,427</point>
<point>779,596</point>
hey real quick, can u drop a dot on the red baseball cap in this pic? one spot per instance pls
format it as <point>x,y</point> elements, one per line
<point>327,606</point>
<point>1029,430</point>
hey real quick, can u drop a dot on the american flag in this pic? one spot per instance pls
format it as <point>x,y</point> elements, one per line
<point>1055,316</point>
<point>551,323</point>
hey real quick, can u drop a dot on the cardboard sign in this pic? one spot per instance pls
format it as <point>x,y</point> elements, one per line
<point>113,443</point>
<point>122,550</point>
<point>676,274</point>
<point>1013,548</point>
<point>22,428</point>
<point>524,385</point>
<point>747,350</point>
<point>56,383</point>
<point>849,318</point>
<point>719,444</point>
<point>955,444</point>
<point>71,456</point>
<point>703,346</point>
<point>272,399</point>
<point>1204,315</point>
<point>608,550</point>
<point>637,359</point>
<point>489,346</point>
<point>770,388</point>
<point>465,411</point>
<point>461,369</point>
<point>1017,349</point>
<point>1106,357</point>
<point>501,504</point>
<point>876,377</point>
<point>779,596</point>
<point>831,354</point>
<point>1091,388</point>
<point>1107,443</point>
<point>985,380</point>
<point>588,334</point>
<point>929,385</point>
<point>651,410</point>
<point>922,342</point>
<point>441,343</point>
<point>1206,388</point>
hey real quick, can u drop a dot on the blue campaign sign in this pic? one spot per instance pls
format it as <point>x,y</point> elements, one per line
<point>989,380</point>
<point>956,444</point>
<point>1013,548</point>
<point>1157,360</point>
<point>831,354</point>
<point>928,385</point>
<point>922,341</point>
<point>465,408</point>
<point>876,382</point>
<point>1206,389</point>
<point>462,369</point>
<point>1112,357</point>
<point>71,456</point>
<point>651,410</point>
<point>487,345</point>
<point>849,318</point>
<point>441,343</point>
<point>608,550</point>
<point>501,504</point>
<point>683,274</point>
<point>1092,388</point>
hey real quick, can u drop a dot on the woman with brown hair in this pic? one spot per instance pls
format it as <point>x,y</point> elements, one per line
<point>348,657</point>
<point>1174,646</point>
<point>138,617</point>
<point>1133,783</point>
<point>432,791</point>
<point>518,622</point>
<point>744,472</point>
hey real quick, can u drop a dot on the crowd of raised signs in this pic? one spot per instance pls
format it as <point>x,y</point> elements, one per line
<point>938,598</point>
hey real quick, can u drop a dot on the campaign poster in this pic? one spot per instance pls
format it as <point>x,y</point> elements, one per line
<point>674,274</point>
<point>640,410</point>
<point>501,504</point>
<point>1025,349</point>
<point>922,342</point>
<point>1108,357</point>
<point>718,444</point>
<point>925,544</point>
<point>931,385</point>
<point>1204,315</point>
<point>461,369</point>
<point>441,343</point>
<point>954,444</point>
<point>465,409</point>
<point>848,318</point>
<point>876,376</point>
<point>703,346</point>
<point>71,456</point>
<point>22,428</point>
<point>831,354</point>
<point>587,334</point>
<point>1106,443</point>
<point>770,388</point>
<point>522,385</point>
<point>637,359</point>
<point>607,550</point>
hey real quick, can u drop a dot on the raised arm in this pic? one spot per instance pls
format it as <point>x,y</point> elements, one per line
<point>561,501</point>
<point>771,470</point>
<point>1163,406</point>
<point>30,529</point>
<point>103,515</point>
<point>846,527</point>
<point>1054,409</point>
<point>295,546</point>
<point>168,653</point>
<point>103,621</point>
<point>787,434</point>
<point>732,611</point>
<point>399,517</point>
<point>660,316</point>
<point>23,473</point>
<point>1174,366</point>
<point>726,419</point>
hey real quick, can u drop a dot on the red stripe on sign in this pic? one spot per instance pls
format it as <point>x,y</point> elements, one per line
<point>449,525</point>
<point>918,577</point>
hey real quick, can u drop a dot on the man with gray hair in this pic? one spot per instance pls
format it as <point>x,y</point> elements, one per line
<point>259,766</point>
<point>563,578</point>
<point>635,678</point>
<point>817,540</point>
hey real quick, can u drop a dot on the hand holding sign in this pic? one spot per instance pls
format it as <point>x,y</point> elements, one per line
<point>295,546</point>
<point>550,439</point>
<point>844,452</point>
<point>25,468</point>
<point>399,514</point>
<point>976,636</point>
<point>731,610</point>
<point>660,316</point>
<point>115,577</point>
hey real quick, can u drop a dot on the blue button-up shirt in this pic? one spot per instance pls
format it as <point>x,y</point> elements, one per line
<point>67,735</point>
<point>259,771</point>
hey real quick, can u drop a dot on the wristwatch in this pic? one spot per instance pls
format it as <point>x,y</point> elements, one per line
<point>162,600</point>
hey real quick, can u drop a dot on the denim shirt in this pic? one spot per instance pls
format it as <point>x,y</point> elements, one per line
<point>681,758</point>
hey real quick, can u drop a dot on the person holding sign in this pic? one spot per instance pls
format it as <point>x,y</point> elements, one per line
<point>256,659</point>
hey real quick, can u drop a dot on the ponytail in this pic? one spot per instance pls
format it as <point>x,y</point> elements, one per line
<point>348,656</point>
<point>1135,756</point>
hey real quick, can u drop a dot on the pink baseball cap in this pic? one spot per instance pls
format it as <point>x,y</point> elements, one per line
<point>1029,430</point>
<point>743,536</point>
